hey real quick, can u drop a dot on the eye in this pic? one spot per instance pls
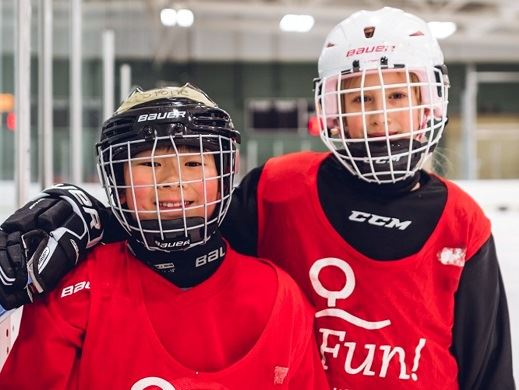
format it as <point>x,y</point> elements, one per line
<point>150,164</point>
<point>193,163</point>
<point>398,95</point>
<point>359,98</point>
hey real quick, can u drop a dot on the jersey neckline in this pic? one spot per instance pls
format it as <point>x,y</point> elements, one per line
<point>212,285</point>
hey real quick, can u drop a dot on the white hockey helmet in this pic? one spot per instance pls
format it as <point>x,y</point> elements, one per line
<point>367,46</point>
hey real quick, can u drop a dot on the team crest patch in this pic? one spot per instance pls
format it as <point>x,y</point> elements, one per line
<point>452,256</point>
<point>280,373</point>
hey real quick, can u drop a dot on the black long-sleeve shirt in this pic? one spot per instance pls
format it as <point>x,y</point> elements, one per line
<point>481,334</point>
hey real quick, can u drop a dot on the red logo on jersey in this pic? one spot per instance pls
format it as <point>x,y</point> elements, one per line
<point>280,373</point>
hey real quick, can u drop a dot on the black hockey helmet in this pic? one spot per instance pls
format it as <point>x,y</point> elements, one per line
<point>187,122</point>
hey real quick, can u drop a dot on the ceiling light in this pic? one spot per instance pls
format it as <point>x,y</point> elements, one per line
<point>185,17</point>
<point>296,23</point>
<point>442,30</point>
<point>168,17</point>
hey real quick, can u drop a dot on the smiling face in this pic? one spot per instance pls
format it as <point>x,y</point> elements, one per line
<point>365,104</point>
<point>166,185</point>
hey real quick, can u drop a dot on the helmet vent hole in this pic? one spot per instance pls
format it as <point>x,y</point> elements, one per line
<point>416,34</point>
<point>369,31</point>
<point>212,119</point>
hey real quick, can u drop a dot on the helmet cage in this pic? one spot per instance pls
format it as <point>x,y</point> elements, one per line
<point>193,130</point>
<point>392,156</point>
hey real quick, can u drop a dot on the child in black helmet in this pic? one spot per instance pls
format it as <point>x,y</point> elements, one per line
<point>174,307</point>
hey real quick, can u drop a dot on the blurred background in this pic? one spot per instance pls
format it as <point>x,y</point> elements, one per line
<point>66,64</point>
<point>237,51</point>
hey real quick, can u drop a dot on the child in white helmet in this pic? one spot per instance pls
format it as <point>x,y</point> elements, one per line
<point>400,264</point>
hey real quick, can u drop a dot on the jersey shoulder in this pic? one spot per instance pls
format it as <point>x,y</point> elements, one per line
<point>102,260</point>
<point>466,218</point>
<point>297,161</point>
<point>461,202</point>
<point>289,176</point>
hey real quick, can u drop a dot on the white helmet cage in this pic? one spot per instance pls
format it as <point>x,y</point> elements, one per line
<point>175,124</point>
<point>357,58</point>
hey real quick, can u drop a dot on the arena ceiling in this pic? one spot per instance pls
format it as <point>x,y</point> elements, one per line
<point>487,30</point>
<point>488,26</point>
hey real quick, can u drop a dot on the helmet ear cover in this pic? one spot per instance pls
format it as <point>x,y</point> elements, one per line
<point>179,124</point>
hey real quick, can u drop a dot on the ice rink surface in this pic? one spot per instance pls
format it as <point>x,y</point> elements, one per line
<point>499,199</point>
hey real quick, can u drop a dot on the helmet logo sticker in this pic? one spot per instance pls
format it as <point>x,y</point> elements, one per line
<point>370,49</point>
<point>162,115</point>
<point>175,244</point>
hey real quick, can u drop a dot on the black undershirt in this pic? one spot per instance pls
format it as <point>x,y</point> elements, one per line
<point>394,201</point>
<point>397,214</point>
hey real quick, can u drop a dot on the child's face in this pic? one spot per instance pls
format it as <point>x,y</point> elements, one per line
<point>396,97</point>
<point>199,184</point>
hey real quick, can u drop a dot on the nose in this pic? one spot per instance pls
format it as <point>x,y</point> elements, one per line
<point>170,177</point>
<point>377,117</point>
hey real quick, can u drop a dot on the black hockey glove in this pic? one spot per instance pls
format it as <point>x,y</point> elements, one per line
<point>45,239</point>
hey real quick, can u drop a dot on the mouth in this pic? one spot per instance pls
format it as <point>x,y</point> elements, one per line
<point>378,134</point>
<point>173,205</point>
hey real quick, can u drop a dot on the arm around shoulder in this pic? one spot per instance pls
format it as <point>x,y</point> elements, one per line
<point>240,226</point>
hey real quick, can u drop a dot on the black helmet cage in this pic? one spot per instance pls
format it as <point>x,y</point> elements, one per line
<point>173,123</point>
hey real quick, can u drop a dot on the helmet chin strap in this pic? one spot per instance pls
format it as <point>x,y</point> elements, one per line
<point>383,189</point>
<point>173,236</point>
<point>376,164</point>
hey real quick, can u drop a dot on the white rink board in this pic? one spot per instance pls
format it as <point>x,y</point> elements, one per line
<point>499,199</point>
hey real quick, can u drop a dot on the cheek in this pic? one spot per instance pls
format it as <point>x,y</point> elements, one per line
<point>212,189</point>
<point>213,194</point>
<point>211,186</point>
<point>138,176</point>
<point>138,196</point>
<point>355,127</point>
<point>416,119</point>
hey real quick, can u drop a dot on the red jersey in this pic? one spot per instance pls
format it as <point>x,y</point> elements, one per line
<point>114,323</point>
<point>380,324</point>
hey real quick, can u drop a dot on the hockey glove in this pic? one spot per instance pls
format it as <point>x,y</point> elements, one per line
<point>45,239</point>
